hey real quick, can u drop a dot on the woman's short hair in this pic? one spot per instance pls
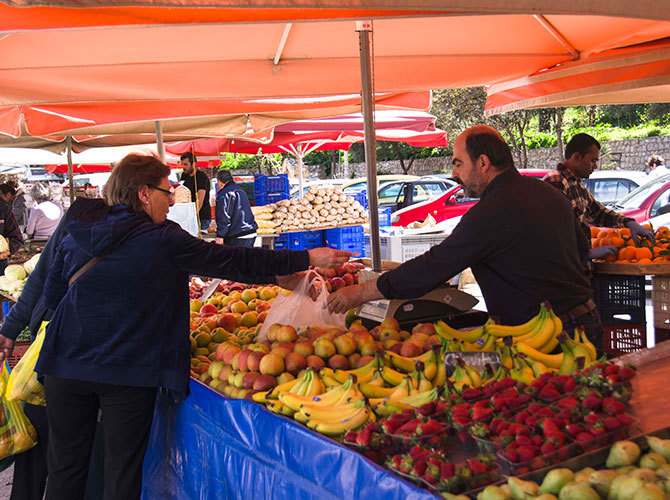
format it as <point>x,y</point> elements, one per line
<point>129,176</point>
<point>40,192</point>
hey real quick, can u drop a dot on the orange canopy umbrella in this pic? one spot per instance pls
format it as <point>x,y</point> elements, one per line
<point>622,76</point>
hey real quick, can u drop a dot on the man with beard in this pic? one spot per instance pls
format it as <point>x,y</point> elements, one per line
<point>522,241</point>
<point>198,183</point>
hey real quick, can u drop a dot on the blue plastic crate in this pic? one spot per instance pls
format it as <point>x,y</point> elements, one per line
<point>351,239</point>
<point>281,242</point>
<point>271,184</point>
<point>361,197</point>
<point>385,216</point>
<point>267,198</point>
<point>305,240</point>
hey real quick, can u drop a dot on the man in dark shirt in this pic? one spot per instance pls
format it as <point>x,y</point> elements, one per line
<point>235,223</point>
<point>192,177</point>
<point>522,241</point>
<point>8,225</point>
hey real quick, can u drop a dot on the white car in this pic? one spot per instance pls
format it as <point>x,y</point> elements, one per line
<point>608,186</point>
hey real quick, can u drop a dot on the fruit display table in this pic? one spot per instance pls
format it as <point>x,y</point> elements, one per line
<point>213,447</point>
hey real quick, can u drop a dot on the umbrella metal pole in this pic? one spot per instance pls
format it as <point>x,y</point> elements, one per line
<point>160,146</point>
<point>70,173</point>
<point>364,29</point>
<point>299,158</point>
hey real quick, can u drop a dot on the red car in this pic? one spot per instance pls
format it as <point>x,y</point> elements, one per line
<point>451,204</point>
<point>646,202</point>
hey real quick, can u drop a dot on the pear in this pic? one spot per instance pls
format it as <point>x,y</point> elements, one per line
<point>582,476</point>
<point>626,469</point>
<point>506,490</point>
<point>578,491</point>
<point>601,480</point>
<point>652,460</point>
<point>664,471</point>
<point>660,446</point>
<point>520,488</point>
<point>555,480</point>
<point>615,485</point>
<point>546,496</point>
<point>647,475</point>
<point>627,488</point>
<point>622,453</point>
<point>649,492</point>
<point>492,493</point>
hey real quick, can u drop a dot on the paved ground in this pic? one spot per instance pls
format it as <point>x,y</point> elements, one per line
<point>6,483</point>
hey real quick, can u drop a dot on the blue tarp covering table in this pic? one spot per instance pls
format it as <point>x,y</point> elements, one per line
<point>210,447</point>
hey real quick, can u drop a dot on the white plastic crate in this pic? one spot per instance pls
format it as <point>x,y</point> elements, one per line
<point>660,296</point>
<point>404,248</point>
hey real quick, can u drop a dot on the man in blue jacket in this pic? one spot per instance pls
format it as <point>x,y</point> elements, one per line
<point>235,224</point>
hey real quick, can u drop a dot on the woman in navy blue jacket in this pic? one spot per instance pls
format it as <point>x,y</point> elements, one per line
<point>120,330</point>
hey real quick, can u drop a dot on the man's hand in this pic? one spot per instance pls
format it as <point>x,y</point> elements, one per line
<point>353,296</point>
<point>4,255</point>
<point>638,231</point>
<point>6,347</point>
<point>328,257</point>
<point>601,252</point>
<point>218,241</point>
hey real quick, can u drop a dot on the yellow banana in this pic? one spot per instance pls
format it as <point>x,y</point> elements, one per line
<point>449,333</point>
<point>539,368</point>
<point>391,376</point>
<point>260,397</point>
<point>443,330</point>
<point>403,388</point>
<point>329,381</point>
<point>331,412</point>
<point>377,379</point>
<point>543,335</point>
<point>549,346</point>
<point>474,375</point>
<point>418,399</point>
<point>550,360</point>
<point>375,391</point>
<point>440,375</point>
<point>567,364</point>
<point>435,360</point>
<point>337,428</point>
<point>403,363</point>
<point>301,387</point>
<point>315,387</point>
<point>285,387</point>
<point>515,331</point>
<point>489,343</point>
<point>587,343</point>
<point>538,327</point>
<point>279,407</point>
<point>328,398</point>
<point>364,373</point>
<point>300,417</point>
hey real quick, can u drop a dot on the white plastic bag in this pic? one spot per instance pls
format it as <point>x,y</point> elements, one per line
<point>299,309</point>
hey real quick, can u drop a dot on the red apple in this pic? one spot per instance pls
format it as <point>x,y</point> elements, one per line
<point>208,309</point>
<point>295,362</point>
<point>272,364</point>
<point>336,283</point>
<point>315,362</point>
<point>249,379</point>
<point>227,322</point>
<point>364,360</point>
<point>338,362</point>
<point>254,360</point>
<point>353,360</point>
<point>287,334</point>
<point>410,349</point>
<point>264,383</point>
<point>242,360</point>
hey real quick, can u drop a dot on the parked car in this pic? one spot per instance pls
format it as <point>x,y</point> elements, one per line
<point>646,202</point>
<point>361,183</point>
<point>397,195</point>
<point>452,203</point>
<point>608,186</point>
<point>37,173</point>
<point>443,177</point>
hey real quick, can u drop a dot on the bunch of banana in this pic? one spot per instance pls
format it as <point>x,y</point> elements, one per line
<point>468,336</point>
<point>295,400</point>
<point>263,397</point>
<point>539,332</point>
<point>522,370</point>
<point>403,363</point>
<point>465,376</point>
<point>575,356</point>
<point>364,373</point>
<point>387,406</point>
<point>336,420</point>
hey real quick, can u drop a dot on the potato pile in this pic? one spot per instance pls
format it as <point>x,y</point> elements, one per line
<point>319,208</point>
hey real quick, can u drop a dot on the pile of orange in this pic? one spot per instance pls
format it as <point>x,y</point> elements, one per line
<point>644,253</point>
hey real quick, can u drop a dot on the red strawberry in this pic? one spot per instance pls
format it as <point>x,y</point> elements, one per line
<point>545,376</point>
<point>570,402</point>
<point>531,421</point>
<point>480,404</point>
<point>611,423</point>
<point>626,372</point>
<point>597,429</point>
<point>613,407</point>
<point>537,440</point>
<point>611,369</point>
<point>521,417</point>
<point>549,427</point>
<point>504,383</point>
<point>592,418</point>
<point>525,453</point>
<point>462,420</point>
<point>350,437</point>
<point>547,448</point>
<point>592,401</point>
<point>447,470</point>
<point>510,454</point>
<point>499,403</point>
<point>419,468</point>
<point>363,437</point>
<point>481,414</point>
<point>573,430</point>
<point>417,452</point>
<point>430,427</point>
<point>549,393</point>
<point>545,411</point>
<point>624,419</point>
<point>477,467</point>
<point>470,394</point>
<point>556,439</point>
<point>390,426</point>
<point>533,408</point>
<point>494,424</point>
<point>524,441</point>
<point>427,409</point>
<point>569,386</point>
<point>537,384</point>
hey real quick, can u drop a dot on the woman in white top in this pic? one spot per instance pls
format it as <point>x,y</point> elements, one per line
<point>45,214</point>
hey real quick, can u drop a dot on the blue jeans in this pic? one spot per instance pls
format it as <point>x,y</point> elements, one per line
<point>239,242</point>
<point>204,224</point>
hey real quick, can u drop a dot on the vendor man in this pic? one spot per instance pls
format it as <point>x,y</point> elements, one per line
<point>192,178</point>
<point>9,228</point>
<point>521,240</point>
<point>581,159</point>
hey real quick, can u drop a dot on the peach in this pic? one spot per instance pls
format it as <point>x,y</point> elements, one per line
<point>396,347</point>
<point>315,362</point>
<point>230,353</point>
<point>410,349</point>
<point>295,362</point>
<point>262,316</point>
<point>430,342</point>
<point>427,328</point>
<point>280,351</point>
<point>364,360</point>
<point>249,319</point>
<point>284,377</point>
<point>287,334</point>
<point>248,295</point>
<point>362,338</point>
<point>304,348</point>
<point>353,359</point>
<point>238,307</point>
<point>272,364</point>
<point>254,360</point>
<point>324,348</point>
<point>391,323</point>
<point>338,362</point>
<point>345,345</point>
<point>389,334</point>
<point>264,383</point>
<point>272,332</point>
<point>242,360</point>
<point>249,379</point>
<point>369,349</point>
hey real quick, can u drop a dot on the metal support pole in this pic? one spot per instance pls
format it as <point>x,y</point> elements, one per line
<point>299,158</point>
<point>364,29</point>
<point>159,141</point>
<point>70,173</point>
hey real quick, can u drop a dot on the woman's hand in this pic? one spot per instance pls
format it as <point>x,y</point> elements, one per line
<point>328,257</point>
<point>6,347</point>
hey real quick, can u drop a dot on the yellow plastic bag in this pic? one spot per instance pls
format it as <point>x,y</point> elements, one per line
<point>22,384</point>
<point>17,434</point>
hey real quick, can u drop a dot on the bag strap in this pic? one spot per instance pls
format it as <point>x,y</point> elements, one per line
<point>83,269</point>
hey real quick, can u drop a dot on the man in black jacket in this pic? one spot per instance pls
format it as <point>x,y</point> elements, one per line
<point>8,225</point>
<point>235,224</point>
<point>522,241</point>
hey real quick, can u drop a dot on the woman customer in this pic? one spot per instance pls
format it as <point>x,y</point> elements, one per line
<point>120,330</point>
<point>45,214</point>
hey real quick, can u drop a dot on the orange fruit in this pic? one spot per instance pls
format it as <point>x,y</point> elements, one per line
<point>604,233</point>
<point>627,253</point>
<point>617,241</point>
<point>594,231</point>
<point>659,259</point>
<point>624,232</point>
<point>643,253</point>
<point>644,261</point>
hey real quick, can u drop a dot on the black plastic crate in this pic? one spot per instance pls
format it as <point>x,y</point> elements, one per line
<point>620,298</point>
<point>624,338</point>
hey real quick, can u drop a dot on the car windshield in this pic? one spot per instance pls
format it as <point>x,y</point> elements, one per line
<point>635,198</point>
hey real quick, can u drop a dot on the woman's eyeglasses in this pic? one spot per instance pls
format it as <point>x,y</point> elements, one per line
<point>168,192</point>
